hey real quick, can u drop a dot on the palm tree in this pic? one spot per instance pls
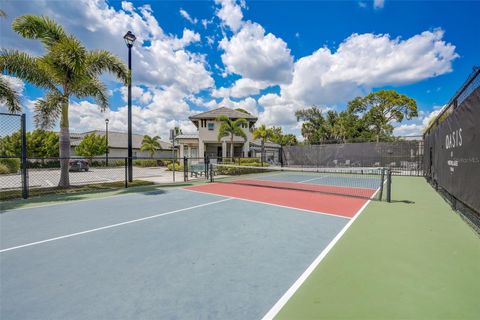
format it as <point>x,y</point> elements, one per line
<point>231,128</point>
<point>263,133</point>
<point>67,69</point>
<point>150,144</point>
<point>9,96</point>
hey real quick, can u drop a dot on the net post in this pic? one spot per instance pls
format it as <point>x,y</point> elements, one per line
<point>185,169</point>
<point>389,185</point>
<point>126,172</point>
<point>382,180</point>
<point>24,158</point>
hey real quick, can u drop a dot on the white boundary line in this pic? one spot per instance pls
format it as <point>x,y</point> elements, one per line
<point>272,204</point>
<point>297,284</point>
<point>113,225</point>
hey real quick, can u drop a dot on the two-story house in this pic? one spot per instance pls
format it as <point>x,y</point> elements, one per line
<point>205,140</point>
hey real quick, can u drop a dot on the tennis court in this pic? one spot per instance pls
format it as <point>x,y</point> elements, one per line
<point>199,252</point>
<point>241,247</point>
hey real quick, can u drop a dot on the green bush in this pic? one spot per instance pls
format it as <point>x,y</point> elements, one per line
<point>243,161</point>
<point>146,163</point>
<point>12,164</point>
<point>178,167</point>
<point>117,163</point>
<point>4,169</point>
<point>238,170</point>
<point>44,163</point>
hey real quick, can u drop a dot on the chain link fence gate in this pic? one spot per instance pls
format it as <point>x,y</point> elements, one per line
<point>13,155</point>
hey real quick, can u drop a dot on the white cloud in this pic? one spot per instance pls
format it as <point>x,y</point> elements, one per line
<point>365,61</point>
<point>138,94</point>
<point>187,16</point>
<point>378,4</point>
<point>230,13</point>
<point>241,88</point>
<point>278,110</point>
<point>258,56</point>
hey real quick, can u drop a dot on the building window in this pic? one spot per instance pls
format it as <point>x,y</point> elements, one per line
<point>210,126</point>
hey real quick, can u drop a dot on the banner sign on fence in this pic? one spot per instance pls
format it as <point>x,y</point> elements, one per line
<point>452,152</point>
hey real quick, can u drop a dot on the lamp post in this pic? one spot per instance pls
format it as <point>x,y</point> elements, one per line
<point>106,141</point>
<point>129,38</point>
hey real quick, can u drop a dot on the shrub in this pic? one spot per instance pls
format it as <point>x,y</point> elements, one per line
<point>43,163</point>
<point>4,169</point>
<point>238,170</point>
<point>178,167</point>
<point>145,163</point>
<point>12,164</point>
<point>118,163</point>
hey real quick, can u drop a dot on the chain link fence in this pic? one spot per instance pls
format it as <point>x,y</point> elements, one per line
<point>403,157</point>
<point>452,151</point>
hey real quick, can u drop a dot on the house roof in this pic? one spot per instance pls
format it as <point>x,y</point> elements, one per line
<point>187,136</point>
<point>117,139</point>
<point>223,111</point>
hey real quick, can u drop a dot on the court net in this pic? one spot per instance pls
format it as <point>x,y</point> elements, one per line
<point>367,183</point>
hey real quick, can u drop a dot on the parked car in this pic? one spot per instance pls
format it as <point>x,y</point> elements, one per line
<point>78,165</point>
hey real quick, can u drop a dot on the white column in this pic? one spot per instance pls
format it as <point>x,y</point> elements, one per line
<point>201,149</point>
<point>224,149</point>
<point>181,151</point>
<point>246,148</point>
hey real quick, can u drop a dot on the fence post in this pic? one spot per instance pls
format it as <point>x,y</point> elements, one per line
<point>211,172</point>
<point>24,158</point>
<point>126,172</point>
<point>280,156</point>
<point>185,169</point>
<point>389,185</point>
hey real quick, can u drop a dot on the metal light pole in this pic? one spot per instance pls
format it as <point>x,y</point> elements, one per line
<point>106,141</point>
<point>129,40</point>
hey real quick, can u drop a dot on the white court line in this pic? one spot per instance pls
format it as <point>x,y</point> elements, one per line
<point>112,226</point>
<point>296,285</point>
<point>272,204</point>
<point>311,179</point>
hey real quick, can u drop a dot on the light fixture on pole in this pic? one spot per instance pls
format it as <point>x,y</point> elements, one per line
<point>130,38</point>
<point>106,141</point>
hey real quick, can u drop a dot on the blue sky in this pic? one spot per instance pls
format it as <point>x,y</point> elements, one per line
<point>269,57</point>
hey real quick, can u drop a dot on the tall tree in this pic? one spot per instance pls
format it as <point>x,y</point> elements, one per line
<point>283,139</point>
<point>314,124</point>
<point>264,134</point>
<point>232,128</point>
<point>92,145</point>
<point>8,95</point>
<point>150,144</point>
<point>380,109</point>
<point>67,69</point>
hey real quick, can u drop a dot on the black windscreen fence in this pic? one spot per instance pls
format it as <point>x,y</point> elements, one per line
<point>404,157</point>
<point>452,151</point>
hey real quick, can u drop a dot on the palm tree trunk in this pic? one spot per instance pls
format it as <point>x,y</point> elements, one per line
<point>64,181</point>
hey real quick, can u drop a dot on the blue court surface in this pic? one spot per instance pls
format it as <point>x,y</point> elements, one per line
<point>164,254</point>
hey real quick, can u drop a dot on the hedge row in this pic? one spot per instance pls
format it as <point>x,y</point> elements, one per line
<point>9,165</point>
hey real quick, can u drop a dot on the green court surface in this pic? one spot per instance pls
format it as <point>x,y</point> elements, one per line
<point>400,260</point>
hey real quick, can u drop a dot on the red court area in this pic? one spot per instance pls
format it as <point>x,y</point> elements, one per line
<point>322,203</point>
